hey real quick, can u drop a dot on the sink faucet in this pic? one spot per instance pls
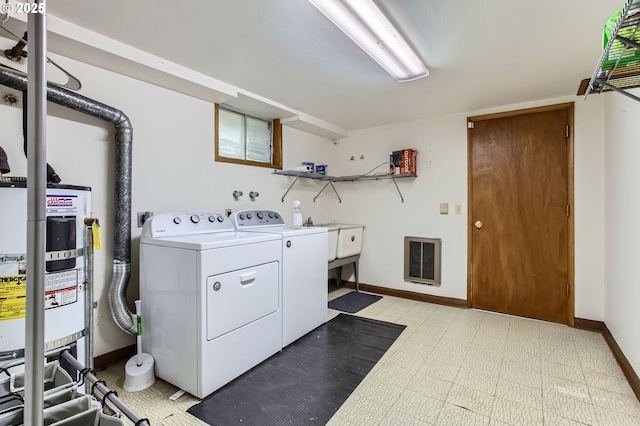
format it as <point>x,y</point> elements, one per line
<point>309,222</point>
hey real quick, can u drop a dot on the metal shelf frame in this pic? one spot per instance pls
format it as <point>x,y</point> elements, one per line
<point>620,77</point>
<point>331,179</point>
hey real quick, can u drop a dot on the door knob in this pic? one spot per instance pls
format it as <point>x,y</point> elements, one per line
<point>478,224</point>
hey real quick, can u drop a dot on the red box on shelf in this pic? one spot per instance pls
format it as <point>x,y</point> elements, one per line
<point>403,162</point>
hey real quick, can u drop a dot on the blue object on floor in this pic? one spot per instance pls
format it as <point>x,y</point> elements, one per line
<point>307,382</point>
<point>353,302</point>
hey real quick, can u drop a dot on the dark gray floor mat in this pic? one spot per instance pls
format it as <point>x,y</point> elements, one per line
<point>353,302</point>
<point>307,382</point>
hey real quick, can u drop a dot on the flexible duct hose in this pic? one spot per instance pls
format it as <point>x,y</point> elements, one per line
<point>118,297</point>
<point>122,185</point>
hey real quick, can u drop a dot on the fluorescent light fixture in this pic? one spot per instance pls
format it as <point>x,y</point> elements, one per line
<point>365,24</point>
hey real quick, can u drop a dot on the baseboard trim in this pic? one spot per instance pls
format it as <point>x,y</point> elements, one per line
<point>623,362</point>
<point>411,295</point>
<point>113,357</point>
<point>591,325</point>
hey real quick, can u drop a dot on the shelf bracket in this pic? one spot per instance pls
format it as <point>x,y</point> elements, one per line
<point>394,182</point>
<point>331,179</point>
<point>324,187</point>
<point>617,89</point>
<point>294,182</point>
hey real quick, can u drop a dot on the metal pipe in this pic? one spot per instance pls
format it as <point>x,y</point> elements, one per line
<point>52,176</point>
<point>122,185</point>
<point>16,362</point>
<point>105,391</point>
<point>88,295</point>
<point>36,220</point>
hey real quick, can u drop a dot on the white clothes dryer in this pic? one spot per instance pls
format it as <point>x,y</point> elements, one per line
<point>304,270</point>
<point>211,299</point>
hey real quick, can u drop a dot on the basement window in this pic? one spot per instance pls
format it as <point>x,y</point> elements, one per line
<point>243,138</point>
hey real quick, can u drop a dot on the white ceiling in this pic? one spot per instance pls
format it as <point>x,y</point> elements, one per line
<point>481,53</point>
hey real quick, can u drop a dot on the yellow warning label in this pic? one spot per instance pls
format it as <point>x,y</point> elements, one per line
<point>11,309</point>
<point>97,238</point>
<point>13,286</point>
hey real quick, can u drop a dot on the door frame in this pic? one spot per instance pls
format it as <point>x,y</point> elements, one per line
<point>569,107</point>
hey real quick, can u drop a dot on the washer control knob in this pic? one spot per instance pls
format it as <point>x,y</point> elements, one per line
<point>277,216</point>
<point>220,219</point>
<point>212,218</point>
<point>195,218</point>
<point>260,215</point>
<point>177,220</point>
<point>271,215</point>
<point>249,216</point>
<point>241,216</point>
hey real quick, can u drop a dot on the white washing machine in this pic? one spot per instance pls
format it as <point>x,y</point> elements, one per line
<point>304,270</point>
<point>211,299</point>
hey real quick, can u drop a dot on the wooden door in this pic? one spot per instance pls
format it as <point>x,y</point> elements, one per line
<point>519,214</point>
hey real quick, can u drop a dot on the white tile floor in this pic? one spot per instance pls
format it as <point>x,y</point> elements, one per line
<point>465,367</point>
<point>455,366</point>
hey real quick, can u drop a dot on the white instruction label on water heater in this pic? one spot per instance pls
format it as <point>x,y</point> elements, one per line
<point>61,288</point>
<point>55,299</point>
<point>60,280</point>
<point>82,278</point>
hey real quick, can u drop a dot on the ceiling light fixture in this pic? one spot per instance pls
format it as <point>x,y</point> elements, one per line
<point>367,26</point>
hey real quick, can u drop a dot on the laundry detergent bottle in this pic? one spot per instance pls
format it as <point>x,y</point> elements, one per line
<point>297,214</point>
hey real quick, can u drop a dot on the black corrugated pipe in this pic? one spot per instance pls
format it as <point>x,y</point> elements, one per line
<point>122,182</point>
<point>4,162</point>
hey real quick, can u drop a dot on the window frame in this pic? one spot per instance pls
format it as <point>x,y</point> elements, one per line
<point>276,143</point>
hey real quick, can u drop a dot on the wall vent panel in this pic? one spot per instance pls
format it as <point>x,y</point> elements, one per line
<point>422,260</point>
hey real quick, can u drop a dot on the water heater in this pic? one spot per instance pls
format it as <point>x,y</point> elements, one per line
<point>66,266</point>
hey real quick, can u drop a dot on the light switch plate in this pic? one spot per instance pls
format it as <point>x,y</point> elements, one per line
<point>444,208</point>
<point>458,209</point>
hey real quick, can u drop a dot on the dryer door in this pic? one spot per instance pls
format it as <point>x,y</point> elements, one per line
<point>237,298</point>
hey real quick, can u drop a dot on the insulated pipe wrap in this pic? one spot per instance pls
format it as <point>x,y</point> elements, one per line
<point>122,182</point>
<point>122,196</point>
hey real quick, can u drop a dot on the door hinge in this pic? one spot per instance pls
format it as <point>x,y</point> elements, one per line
<point>568,210</point>
<point>567,131</point>
<point>567,290</point>
<point>470,125</point>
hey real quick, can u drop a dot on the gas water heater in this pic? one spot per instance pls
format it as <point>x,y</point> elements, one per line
<point>66,266</point>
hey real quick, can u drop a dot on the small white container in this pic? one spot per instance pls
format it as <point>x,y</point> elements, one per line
<point>297,214</point>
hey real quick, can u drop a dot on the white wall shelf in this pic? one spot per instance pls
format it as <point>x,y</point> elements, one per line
<point>619,65</point>
<point>331,179</point>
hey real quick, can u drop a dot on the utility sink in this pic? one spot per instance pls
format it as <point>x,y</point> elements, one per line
<point>344,240</point>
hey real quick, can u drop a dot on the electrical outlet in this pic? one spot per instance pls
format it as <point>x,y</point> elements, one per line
<point>444,208</point>
<point>142,217</point>
<point>228,212</point>
<point>458,208</point>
